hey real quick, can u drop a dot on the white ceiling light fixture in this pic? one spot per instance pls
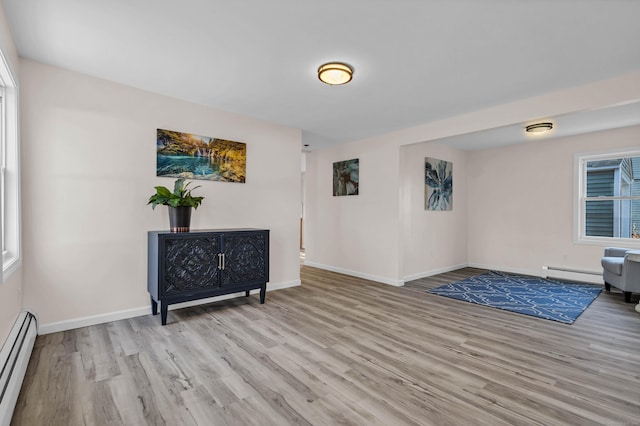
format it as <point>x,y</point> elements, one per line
<point>539,127</point>
<point>335,73</point>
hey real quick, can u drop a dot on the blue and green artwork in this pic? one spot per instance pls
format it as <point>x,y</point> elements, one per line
<point>183,155</point>
<point>346,177</point>
<point>438,189</point>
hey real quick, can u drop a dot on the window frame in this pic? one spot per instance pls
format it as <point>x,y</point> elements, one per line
<point>580,198</point>
<point>3,166</point>
<point>10,176</point>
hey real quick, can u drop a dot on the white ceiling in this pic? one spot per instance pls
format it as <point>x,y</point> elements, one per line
<point>612,117</point>
<point>415,61</point>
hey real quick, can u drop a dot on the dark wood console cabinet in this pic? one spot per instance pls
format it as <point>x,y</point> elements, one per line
<point>186,266</point>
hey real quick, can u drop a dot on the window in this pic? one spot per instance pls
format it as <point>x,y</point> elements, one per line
<point>9,173</point>
<point>609,197</point>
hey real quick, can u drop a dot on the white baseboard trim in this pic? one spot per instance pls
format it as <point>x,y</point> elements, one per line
<point>71,324</point>
<point>383,280</point>
<point>545,272</point>
<point>532,272</point>
<point>434,272</point>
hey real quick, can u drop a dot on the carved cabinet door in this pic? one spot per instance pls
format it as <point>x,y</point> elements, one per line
<point>245,256</point>
<point>190,264</point>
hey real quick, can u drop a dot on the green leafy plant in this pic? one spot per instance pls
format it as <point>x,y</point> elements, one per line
<point>181,196</point>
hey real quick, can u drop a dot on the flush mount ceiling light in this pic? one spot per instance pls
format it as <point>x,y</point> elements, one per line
<point>335,73</point>
<point>539,127</point>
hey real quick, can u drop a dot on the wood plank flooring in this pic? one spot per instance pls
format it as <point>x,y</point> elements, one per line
<point>341,350</point>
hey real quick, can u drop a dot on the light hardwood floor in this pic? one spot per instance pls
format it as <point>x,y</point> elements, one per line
<point>341,350</point>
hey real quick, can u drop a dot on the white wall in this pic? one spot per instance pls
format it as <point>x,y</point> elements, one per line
<point>88,160</point>
<point>432,241</point>
<point>10,303</point>
<point>356,234</point>
<point>11,289</point>
<point>384,233</point>
<point>369,235</point>
<point>521,203</point>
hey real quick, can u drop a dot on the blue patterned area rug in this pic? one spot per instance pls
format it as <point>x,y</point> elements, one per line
<point>561,301</point>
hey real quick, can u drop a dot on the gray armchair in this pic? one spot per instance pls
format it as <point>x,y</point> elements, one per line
<point>621,269</point>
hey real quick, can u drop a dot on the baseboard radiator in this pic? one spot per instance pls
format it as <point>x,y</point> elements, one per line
<point>14,358</point>
<point>572,274</point>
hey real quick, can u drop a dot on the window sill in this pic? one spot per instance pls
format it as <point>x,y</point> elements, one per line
<point>610,242</point>
<point>10,264</point>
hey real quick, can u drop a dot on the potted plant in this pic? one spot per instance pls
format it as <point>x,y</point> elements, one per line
<point>180,202</point>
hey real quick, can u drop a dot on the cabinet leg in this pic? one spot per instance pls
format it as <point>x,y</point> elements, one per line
<point>154,307</point>
<point>246,293</point>
<point>263,292</point>
<point>163,312</point>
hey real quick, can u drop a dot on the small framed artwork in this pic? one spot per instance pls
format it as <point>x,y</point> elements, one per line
<point>346,177</point>
<point>183,155</point>
<point>438,188</point>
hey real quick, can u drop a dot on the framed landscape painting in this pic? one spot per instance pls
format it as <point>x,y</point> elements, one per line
<point>183,155</point>
<point>438,184</point>
<point>346,177</point>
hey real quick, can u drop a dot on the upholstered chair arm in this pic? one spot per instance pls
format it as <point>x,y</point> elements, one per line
<point>631,271</point>
<point>615,252</point>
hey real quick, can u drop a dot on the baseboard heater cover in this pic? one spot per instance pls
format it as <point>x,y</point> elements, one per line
<point>572,274</point>
<point>14,359</point>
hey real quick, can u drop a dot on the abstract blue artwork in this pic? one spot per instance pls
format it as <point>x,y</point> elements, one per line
<point>561,301</point>
<point>438,189</point>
